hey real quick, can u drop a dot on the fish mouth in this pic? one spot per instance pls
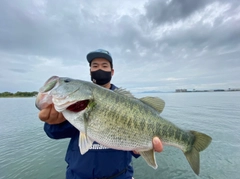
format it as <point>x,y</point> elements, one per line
<point>44,98</point>
<point>78,106</point>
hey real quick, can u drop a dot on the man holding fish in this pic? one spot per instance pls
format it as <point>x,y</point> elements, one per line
<point>99,161</point>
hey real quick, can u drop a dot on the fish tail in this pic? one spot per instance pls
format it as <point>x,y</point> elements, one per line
<point>201,142</point>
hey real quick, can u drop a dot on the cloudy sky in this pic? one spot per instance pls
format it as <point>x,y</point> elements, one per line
<point>155,44</point>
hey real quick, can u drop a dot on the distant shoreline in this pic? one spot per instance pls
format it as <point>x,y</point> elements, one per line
<point>215,90</point>
<point>192,91</point>
<point>18,94</point>
<point>34,93</point>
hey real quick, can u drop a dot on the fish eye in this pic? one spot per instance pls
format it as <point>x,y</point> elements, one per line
<point>67,80</point>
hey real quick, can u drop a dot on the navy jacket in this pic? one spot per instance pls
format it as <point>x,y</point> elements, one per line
<point>98,162</point>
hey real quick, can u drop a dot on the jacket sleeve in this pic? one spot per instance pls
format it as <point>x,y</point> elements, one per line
<point>135,155</point>
<point>60,131</point>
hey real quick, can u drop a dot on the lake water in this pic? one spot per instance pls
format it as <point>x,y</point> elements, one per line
<point>26,152</point>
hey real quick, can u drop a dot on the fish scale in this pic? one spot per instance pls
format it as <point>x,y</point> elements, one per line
<point>122,119</point>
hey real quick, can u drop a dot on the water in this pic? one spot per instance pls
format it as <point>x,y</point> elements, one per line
<point>26,152</point>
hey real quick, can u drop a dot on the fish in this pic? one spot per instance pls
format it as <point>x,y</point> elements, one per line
<point>118,120</point>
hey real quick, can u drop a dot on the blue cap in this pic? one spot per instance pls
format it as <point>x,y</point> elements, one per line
<point>100,53</point>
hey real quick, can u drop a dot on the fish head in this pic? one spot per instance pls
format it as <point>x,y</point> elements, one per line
<point>64,93</point>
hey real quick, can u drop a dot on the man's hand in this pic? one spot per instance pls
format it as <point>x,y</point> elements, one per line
<point>51,116</point>
<point>157,145</point>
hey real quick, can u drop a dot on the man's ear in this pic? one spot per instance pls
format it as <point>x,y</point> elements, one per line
<point>112,71</point>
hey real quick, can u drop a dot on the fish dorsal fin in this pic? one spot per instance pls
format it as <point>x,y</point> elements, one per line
<point>156,103</point>
<point>124,92</point>
<point>85,143</point>
<point>149,157</point>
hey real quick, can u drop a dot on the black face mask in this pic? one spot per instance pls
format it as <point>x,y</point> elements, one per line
<point>101,77</point>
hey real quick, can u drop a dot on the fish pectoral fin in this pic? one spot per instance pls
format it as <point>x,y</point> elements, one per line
<point>156,103</point>
<point>85,143</point>
<point>149,157</point>
<point>201,142</point>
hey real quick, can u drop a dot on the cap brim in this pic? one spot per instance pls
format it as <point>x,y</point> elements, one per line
<point>93,55</point>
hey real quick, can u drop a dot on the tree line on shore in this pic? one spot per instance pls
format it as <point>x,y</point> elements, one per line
<point>19,94</point>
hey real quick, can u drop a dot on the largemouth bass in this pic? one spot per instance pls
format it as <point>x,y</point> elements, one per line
<point>118,120</point>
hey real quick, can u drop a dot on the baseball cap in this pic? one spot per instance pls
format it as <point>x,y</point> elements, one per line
<point>99,53</point>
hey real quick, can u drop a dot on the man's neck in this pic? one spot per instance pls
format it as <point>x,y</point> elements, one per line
<point>108,85</point>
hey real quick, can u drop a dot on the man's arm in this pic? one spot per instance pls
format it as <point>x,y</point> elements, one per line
<point>60,131</point>
<point>56,126</point>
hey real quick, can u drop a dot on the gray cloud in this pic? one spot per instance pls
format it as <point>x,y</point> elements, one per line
<point>155,44</point>
<point>160,11</point>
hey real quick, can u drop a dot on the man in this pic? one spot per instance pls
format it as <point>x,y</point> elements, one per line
<point>99,162</point>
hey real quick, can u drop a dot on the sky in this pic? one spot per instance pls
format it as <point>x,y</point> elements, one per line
<point>156,45</point>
